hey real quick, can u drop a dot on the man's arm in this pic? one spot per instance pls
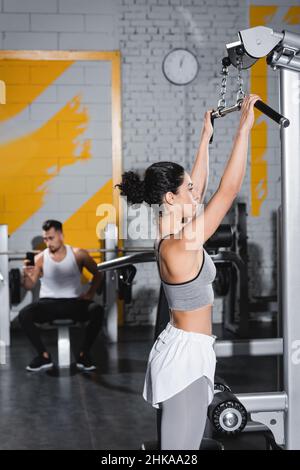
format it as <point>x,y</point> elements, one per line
<point>90,264</point>
<point>31,274</point>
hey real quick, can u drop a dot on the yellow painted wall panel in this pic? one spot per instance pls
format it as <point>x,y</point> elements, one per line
<point>64,153</point>
<point>43,169</point>
<point>67,128</point>
<point>259,15</point>
<point>40,73</point>
<point>78,239</point>
<point>28,156</point>
<point>24,185</point>
<point>293,15</point>
<point>259,136</point>
<point>45,149</point>
<point>22,94</point>
<point>14,72</point>
<point>13,218</point>
<point>79,222</point>
<point>23,202</point>
<point>48,132</point>
<point>88,238</point>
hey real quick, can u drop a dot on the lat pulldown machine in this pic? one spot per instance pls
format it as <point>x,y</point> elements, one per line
<point>279,411</point>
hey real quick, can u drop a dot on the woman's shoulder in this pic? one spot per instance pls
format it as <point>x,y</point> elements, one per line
<point>180,260</point>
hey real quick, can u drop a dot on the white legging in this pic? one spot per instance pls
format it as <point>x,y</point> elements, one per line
<point>184,416</point>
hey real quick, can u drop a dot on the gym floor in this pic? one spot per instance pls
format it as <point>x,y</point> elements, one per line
<point>104,409</point>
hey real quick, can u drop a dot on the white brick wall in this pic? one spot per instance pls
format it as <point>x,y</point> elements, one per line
<point>103,7</point>
<point>59,24</point>
<point>160,121</point>
<point>14,22</point>
<point>30,40</point>
<point>85,41</point>
<point>30,6</point>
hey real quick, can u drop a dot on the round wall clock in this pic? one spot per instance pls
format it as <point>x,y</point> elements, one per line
<point>180,66</point>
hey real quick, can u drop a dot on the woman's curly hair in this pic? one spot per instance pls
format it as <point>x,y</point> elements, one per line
<point>160,178</point>
<point>132,187</point>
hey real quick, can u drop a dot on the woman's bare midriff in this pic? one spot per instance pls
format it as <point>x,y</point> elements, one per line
<point>197,321</point>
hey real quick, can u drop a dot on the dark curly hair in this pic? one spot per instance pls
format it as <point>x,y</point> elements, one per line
<point>52,224</point>
<point>160,178</point>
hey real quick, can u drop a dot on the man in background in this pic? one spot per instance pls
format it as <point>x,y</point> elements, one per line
<point>59,269</point>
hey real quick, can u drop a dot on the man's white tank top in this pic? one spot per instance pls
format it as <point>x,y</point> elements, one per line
<point>61,279</point>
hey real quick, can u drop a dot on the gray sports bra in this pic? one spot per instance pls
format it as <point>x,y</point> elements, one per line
<point>193,294</point>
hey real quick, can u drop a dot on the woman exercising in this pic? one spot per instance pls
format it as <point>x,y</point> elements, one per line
<point>181,364</point>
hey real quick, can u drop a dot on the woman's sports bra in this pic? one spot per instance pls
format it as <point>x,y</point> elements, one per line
<point>193,294</point>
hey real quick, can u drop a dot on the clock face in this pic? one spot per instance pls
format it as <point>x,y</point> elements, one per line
<point>180,67</point>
